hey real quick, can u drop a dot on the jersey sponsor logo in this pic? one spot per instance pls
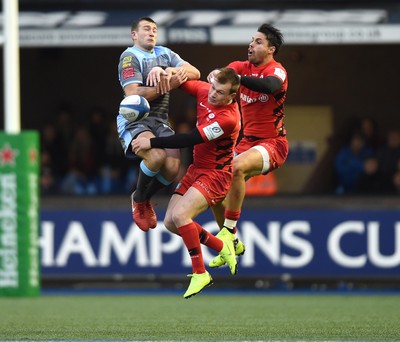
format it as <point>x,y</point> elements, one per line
<point>125,65</point>
<point>247,99</point>
<point>211,116</point>
<point>280,73</point>
<point>127,59</point>
<point>128,72</point>
<point>213,131</point>
<point>263,98</point>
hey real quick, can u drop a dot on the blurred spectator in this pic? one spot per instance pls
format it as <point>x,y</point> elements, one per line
<point>369,128</point>
<point>48,180</point>
<point>65,131</point>
<point>396,183</point>
<point>370,180</point>
<point>52,169</point>
<point>98,126</point>
<point>83,166</point>
<point>349,163</point>
<point>389,157</point>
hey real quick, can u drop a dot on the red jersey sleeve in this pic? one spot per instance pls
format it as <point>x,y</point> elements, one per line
<point>192,87</point>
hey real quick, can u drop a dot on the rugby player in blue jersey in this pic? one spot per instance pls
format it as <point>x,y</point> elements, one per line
<point>148,70</point>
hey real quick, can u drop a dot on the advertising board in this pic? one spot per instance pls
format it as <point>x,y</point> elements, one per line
<point>312,243</point>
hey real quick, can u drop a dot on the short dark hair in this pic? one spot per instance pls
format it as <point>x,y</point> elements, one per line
<point>135,24</point>
<point>226,75</point>
<point>273,35</point>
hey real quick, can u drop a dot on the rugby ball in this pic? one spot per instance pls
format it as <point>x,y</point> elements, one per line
<point>134,108</point>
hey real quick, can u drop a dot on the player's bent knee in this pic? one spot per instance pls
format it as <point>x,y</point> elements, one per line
<point>238,172</point>
<point>169,224</point>
<point>178,218</point>
<point>158,156</point>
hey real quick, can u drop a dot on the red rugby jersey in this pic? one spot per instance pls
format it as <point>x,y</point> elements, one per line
<point>219,127</point>
<point>262,114</point>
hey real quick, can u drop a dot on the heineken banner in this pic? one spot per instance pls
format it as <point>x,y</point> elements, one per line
<point>19,209</point>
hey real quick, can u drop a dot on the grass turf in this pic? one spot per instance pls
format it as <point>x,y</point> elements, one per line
<point>206,317</point>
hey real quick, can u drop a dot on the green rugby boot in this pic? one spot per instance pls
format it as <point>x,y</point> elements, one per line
<point>224,235</point>
<point>228,255</point>
<point>198,282</point>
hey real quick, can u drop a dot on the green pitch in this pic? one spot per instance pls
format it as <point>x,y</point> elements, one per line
<point>205,317</point>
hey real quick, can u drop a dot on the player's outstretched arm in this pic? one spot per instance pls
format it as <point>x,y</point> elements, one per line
<point>192,72</point>
<point>179,140</point>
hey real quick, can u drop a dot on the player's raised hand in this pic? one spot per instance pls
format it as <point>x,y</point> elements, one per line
<point>211,75</point>
<point>154,76</point>
<point>163,86</point>
<point>140,144</point>
<point>179,78</point>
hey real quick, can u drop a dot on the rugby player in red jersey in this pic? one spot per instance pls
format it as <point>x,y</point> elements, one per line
<point>263,147</point>
<point>208,178</point>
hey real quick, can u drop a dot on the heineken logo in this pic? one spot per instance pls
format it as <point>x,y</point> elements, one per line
<point>8,231</point>
<point>19,214</point>
<point>8,155</point>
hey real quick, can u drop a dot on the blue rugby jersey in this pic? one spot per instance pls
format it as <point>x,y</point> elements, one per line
<point>135,65</point>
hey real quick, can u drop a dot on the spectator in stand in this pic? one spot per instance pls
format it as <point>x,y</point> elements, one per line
<point>349,163</point>
<point>370,180</point>
<point>389,156</point>
<point>98,127</point>
<point>396,182</point>
<point>369,128</point>
<point>48,180</point>
<point>65,131</point>
<point>83,166</point>
<point>51,171</point>
<point>115,169</point>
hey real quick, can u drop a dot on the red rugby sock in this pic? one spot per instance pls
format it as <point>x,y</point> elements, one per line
<point>190,237</point>
<point>209,240</point>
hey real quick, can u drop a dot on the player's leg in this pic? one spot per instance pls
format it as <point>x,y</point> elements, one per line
<point>168,223</point>
<point>168,172</point>
<point>163,179</point>
<point>219,213</point>
<point>152,161</point>
<point>183,210</point>
<point>214,185</point>
<point>246,164</point>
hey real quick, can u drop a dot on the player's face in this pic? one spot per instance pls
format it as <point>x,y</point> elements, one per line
<point>145,36</point>
<point>259,51</point>
<point>219,94</point>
